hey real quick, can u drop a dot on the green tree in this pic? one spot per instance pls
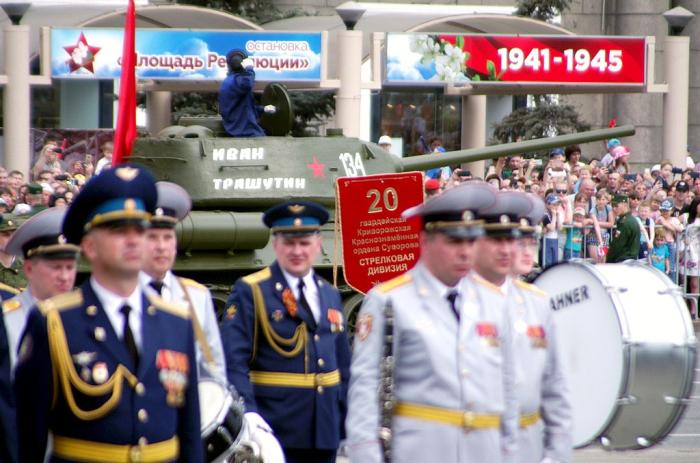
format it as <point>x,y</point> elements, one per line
<point>257,11</point>
<point>544,10</point>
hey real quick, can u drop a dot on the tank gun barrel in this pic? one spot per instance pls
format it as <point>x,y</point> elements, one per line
<point>429,161</point>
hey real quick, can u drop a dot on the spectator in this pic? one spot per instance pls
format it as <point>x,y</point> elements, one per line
<point>647,230</point>
<point>691,251</point>
<point>608,159</point>
<point>602,211</point>
<point>572,154</point>
<point>624,242</point>
<point>15,181</point>
<point>574,235</point>
<point>494,180</point>
<point>48,159</point>
<point>552,223</point>
<point>57,200</point>
<point>681,199</point>
<point>672,227</point>
<point>620,156</point>
<point>105,162</point>
<point>4,177</point>
<point>613,184</point>
<point>432,187</point>
<point>659,256</point>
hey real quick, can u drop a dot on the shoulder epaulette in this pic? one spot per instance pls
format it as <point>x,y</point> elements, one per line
<point>69,300</point>
<point>175,309</point>
<point>258,277</point>
<point>394,283</point>
<point>11,305</point>
<point>487,284</point>
<point>192,283</point>
<point>9,289</point>
<point>530,287</point>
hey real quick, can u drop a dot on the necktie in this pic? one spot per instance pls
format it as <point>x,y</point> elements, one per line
<point>128,339</point>
<point>305,304</point>
<point>452,299</point>
<point>157,285</point>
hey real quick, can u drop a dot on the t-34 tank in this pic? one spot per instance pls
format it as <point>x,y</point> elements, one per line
<point>233,180</point>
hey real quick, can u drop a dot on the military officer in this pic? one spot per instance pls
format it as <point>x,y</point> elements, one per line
<point>50,264</point>
<point>161,249</point>
<point>284,336</point>
<point>108,369</point>
<point>8,443</point>
<point>11,273</point>
<point>453,376</point>
<point>543,395</point>
<point>625,238</point>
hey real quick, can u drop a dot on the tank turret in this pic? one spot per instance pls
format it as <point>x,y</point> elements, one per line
<point>233,180</point>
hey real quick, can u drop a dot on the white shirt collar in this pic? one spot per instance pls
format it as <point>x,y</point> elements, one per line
<point>112,302</point>
<point>293,282</point>
<point>438,286</point>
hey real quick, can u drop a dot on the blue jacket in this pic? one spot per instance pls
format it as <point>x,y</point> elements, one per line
<point>301,417</point>
<point>237,105</point>
<point>8,442</point>
<point>144,409</point>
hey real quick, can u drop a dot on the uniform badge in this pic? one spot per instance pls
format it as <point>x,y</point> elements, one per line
<point>277,315</point>
<point>91,310</point>
<point>231,312</point>
<point>173,369</point>
<point>126,173</point>
<point>100,373</point>
<point>85,374</point>
<point>537,336</point>
<point>335,317</point>
<point>364,326</point>
<point>488,333</point>
<point>278,286</point>
<point>289,302</point>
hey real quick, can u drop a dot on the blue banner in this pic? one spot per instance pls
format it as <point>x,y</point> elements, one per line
<point>95,53</point>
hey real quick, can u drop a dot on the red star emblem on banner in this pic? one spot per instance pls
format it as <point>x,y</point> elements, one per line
<point>82,55</point>
<point>318,168</point>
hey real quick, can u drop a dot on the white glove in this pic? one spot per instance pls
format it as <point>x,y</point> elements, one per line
<point>270,449</point>
<point>248,63</point>
<point>270,109</point>
<point>256,421</point>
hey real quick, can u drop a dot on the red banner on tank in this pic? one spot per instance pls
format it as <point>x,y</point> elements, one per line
<point>377,243</point>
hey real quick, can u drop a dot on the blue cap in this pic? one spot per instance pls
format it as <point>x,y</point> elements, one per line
<point>556,152</point>
<point>126,193</point>
<point>613,142</point>
<point>666,205</point>
<point>552,199</point>
<point>173,205</point>
<point>296,218</point>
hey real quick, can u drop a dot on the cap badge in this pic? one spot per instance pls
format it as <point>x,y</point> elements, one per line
<point>126,173</point>
<point>9,222</point>
<point>504,219</point>
<point>62,239</point>
<point>297,222</point>
<point>159,211</point>
<point>296,208</point>
<point>129,205</point>
<point>524,223</point>
<point>467,216</point>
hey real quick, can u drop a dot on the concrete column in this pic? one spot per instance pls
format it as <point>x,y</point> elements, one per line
<point>676,67</point>
<point>158,110</point>
<point>347,99</point>
<point>17,99</point>
<point>474,130</point>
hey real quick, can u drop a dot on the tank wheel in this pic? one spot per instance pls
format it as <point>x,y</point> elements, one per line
<point>351,307</point>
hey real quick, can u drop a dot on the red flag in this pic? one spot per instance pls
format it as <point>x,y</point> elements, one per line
<point>126,116</point>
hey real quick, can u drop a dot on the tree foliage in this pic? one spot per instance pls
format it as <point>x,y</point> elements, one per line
<point>257,11</point>
<point>544,10</point>
<point>546,118</point>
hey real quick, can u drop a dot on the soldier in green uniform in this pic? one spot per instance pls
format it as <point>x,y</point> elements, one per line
<point>11,273</point>
<point>625,237</point>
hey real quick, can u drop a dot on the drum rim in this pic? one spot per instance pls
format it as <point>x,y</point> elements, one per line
<point>223,411</point>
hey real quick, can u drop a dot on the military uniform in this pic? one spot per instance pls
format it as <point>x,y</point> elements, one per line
<point>8,428</point>
<point>453,378</point>
<point>625,239</point>
<point>107,392</point>
<point>13,275</point>
<point>195,296</point>
<point>16,311</point>
<point>543,395</point>
<point>289,366</point>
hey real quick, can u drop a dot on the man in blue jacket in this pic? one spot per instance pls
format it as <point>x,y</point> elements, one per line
<point>286,348</point>
<point>236,102</point>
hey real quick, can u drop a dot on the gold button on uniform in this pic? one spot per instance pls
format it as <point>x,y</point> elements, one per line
<point>135,454</point>
<point>140,389</point>
<point>319,389</point>
<point>143,441</point>
<point>143,415</point>
<point>317,338</point>
<point>321,362</point>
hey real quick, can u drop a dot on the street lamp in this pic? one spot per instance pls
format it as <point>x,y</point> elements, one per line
<point>350,13</point>
<point>349,56</point>
<point>677,73</point>
<point>15,11</point>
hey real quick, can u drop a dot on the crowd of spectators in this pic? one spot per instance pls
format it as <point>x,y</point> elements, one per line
<point>579,193</point>
<point>52,182</point>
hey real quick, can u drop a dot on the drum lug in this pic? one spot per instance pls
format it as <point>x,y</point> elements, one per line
<point>676,290</point>
<point>644,442</point>
<point>676,400</point>
<point>627,400</point>
<point>616,289</point>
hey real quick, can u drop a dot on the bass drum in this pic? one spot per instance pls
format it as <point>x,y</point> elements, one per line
<point>221,420</point>
<point>628,347</point>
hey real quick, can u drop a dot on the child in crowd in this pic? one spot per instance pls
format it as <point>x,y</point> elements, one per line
<point>603,213</point>
<point>573,246</point>
<point>647,233</point>
<point>671,228</point>
<point>552,223</point>
<point>660,256</point>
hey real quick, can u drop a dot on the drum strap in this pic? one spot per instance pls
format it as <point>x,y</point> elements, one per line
<point>198,331</point>
<point>459,418</point>
<point>82,450</point>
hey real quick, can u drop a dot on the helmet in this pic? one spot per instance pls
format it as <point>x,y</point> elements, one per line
<point>234,59</point>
